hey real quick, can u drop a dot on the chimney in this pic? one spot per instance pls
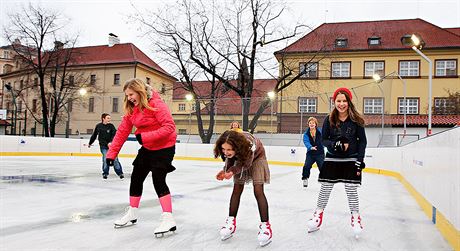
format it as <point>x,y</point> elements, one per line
<point>113,39</point>
<point>58,45</point>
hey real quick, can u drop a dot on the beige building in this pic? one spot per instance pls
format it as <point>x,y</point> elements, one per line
<point>102,70</point>
<point>349,54</point>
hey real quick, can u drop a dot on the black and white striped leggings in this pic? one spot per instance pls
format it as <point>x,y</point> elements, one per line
<point>350,189</point>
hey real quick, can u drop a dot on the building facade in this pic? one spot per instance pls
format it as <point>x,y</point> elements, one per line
<point>102,70</point>
<point>349,55</point>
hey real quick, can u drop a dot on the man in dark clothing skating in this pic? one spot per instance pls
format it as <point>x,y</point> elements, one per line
<point>106,132</point>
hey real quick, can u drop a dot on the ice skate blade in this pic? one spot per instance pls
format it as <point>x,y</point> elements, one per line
<point>162,234</point>
<point>224,238</point>
<point>129,224</point>
<point>313,230</point>
<point>263,244</point>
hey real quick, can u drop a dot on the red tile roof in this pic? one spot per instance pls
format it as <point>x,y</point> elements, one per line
<point>412,120</point>
<point>119,53</point>
<point>357,33</point>
<point>454,30</point>
<point>229,102</point>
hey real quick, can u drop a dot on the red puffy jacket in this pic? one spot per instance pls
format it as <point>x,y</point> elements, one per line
<point>156,127</point>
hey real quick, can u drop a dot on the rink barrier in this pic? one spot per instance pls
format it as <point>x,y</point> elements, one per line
<point>413,165</point>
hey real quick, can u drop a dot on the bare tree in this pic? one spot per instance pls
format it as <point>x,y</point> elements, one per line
<point>36,27</point>
<point>234,34</point>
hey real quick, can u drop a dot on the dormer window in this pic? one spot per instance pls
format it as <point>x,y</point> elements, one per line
<point>373,41</point>
<point>341,42</point>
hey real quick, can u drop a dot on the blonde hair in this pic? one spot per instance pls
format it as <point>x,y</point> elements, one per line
<point>143,90</point>
<point>313,119</point>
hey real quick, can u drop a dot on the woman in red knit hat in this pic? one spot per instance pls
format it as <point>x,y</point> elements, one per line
<point>156,133</point>
<point>345,139</point>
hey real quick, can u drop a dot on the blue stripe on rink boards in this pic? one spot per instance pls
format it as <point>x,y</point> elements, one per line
<point>433,215</point>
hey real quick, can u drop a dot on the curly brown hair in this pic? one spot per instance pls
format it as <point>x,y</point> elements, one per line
<point>239,143</point>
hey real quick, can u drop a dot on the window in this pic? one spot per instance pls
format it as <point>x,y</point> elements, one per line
<point>307,105</point>
<point>34,105</point>
<point>115,105</point>
<point>444,106</point>
<point>409,68</point>
<point>411,105</point>
<point>91,104</point>
<point>163,89</point>
<point>53,81</point>
<point>71,80</point>
<point>116,79</point>
<point>373,105</point>
<point>181,107</point>
<point>376,67</point>
<point>92,79</point>
<point>89,131</point>
<point>21,84</point>
<point>308,70</point>
<point>19,106</point>
<point>372,41</point>
<point>35,83</point>
<point>147,79</point>
<point>446,68</point>
<point>340,69</point>
<point>6,54</point>
<point>341,42</point>
<point>182,131</point>
<point>193,107</point>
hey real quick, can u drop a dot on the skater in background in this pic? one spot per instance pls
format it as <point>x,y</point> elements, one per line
<point>235,126</point>
<point>245,161</point>
<point>156,133</point>
<point>315,149</point>
<point>345,139</point>
<point>106,131</point>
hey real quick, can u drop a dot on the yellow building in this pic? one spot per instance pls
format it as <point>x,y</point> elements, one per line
<point>102,69</point>
<point>349,54</point>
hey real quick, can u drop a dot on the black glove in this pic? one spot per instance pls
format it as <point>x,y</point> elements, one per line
<point>339,145</point>
<point>360,165</point>
<point>139,138</point>
<point>109,161</point>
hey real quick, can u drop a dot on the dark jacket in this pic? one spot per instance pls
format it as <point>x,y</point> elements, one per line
<point>105,132</point>
<point>352,132</point>
<point>309,142</point>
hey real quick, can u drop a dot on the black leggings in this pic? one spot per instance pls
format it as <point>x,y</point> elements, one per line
<point>260,197</point>
<point>138,176</point>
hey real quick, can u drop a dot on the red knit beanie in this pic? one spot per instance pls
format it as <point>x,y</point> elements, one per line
<point>342,89</point>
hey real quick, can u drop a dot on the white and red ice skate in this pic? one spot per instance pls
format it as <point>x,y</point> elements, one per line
<point>228,229</point>
<point>314,223</point>
<point>356,225</point>
<point>129,217</point>
<point>265,234</point>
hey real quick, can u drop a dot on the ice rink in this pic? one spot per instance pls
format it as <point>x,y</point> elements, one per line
<point>62,203</point>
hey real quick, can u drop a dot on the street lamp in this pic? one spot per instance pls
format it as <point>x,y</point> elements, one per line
<point>377,78</point>
<point>14,114</point>
<point>271,95</point>
<point>417,43</point>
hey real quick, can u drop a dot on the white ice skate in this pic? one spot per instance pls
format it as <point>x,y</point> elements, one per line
<point>167,224</point>
<point>314,223</point>
<point>305,183</point>
<point>130,216</point>
<point>265,234</point>
<point>356,225</point>
<point>228,229</point>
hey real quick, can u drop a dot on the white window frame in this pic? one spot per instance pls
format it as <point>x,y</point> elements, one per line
<point>374,67</point>
<point>340,69</point>
<point>443,66</point>
<point>409,68</point>
<point>182,107</point>
<point>115,104</point>
<point>373,105</point>
<point>412,105</point>
<point>308,105</point>
<point>312,70</point>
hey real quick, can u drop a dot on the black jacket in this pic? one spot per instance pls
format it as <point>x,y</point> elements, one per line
<point>105,132</point>
<point>354,134</point>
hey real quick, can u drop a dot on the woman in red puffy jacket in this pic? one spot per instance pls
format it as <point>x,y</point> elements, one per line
<point>156,132</point>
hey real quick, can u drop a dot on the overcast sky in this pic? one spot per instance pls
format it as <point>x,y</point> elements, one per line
<point>94,19</point>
